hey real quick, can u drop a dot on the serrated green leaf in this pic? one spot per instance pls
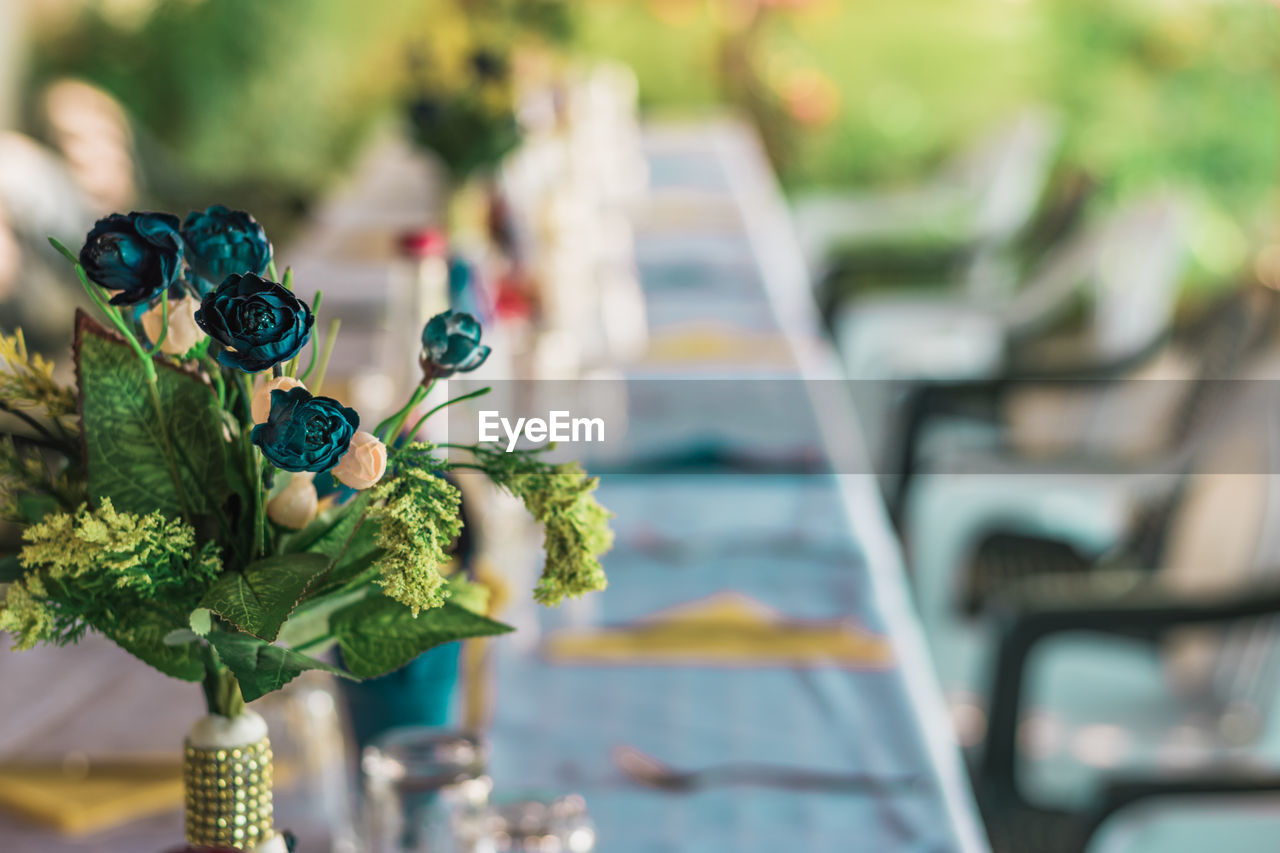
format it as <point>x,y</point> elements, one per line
<point>261,667</point>
<point>125,438</point>
<point>259,599</point>
<point>328,533</point>
<point>348,538</point>
<point>378,635</point>
<point>145,640</point>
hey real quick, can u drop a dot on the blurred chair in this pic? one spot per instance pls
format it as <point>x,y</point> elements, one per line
<point>1106,690</point>
<point>1093,418</point>
<point>1095,308</point>
<point>980,522</point>
<point>1122,272</point>
<point>960,224</point>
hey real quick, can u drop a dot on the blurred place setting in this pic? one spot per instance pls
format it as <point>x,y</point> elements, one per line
<point>468,426</point>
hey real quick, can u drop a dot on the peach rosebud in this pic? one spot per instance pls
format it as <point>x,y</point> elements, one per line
<point>262,395</point>
<point>295,505</point>
<point>364,463</point>
<point>183,331</point>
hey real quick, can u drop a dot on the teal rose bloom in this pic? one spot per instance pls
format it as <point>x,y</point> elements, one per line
<point>303,432</point>
<point>451,344</point>
<point>138,254</point>
<point>260,322</point>
<point>222,242</point>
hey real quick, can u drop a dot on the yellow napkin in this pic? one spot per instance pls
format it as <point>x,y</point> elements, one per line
<point>79,797</point>
<point>697,344</point>
<point>726,629</point>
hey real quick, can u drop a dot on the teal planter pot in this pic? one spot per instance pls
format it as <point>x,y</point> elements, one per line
<point>421,693</point>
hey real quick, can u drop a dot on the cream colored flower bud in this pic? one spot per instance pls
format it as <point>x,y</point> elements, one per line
<point>183,331</point>
<point>295,505</point>
<point>262,395</point>
<point>364,463</point>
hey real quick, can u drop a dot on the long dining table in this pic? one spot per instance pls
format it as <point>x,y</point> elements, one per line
<point>757,612</point>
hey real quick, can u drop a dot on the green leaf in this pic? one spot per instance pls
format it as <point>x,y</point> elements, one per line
<point>466,594</point>
<point>201,621</point>
<point>125,444</point>
<point>33,506</point>
<point>259,599</point>
<point>180,637</point>
<point>309,624</point>
<point>378,634</point>
<point>328,533</point>
<point>11,569</point>
<point>348,539</point>
<point>145,640</point>
<point>261,667</point>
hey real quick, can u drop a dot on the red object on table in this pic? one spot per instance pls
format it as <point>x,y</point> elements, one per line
<point>424,242</point>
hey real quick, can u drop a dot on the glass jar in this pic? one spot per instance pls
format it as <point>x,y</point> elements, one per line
<point>538,825</point>
<point>420,785</point>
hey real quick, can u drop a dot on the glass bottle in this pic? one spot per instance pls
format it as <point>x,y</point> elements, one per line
<point>419,289</point>
<point>420,785</point>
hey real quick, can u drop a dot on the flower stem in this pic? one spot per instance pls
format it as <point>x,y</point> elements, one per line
<point>311,360</point>
<point>164,320</point>
<point>222,694</point>
<point>328,352</point>
<point>215,374</point>
<point>390,428</point>
<point>253,461</point>
<point>422,420</point>
<point>113,315</point>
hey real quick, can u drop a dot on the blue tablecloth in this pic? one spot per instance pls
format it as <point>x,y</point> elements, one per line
<point>783,541</point>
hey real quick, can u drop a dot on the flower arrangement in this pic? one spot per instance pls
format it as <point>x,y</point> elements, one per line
<point>464,110</point>
<point>168,500</point>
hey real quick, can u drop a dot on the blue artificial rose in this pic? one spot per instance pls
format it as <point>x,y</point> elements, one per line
<point>305,433</point>
<point>138,254</point>
<point>451,344</point>
<point>259,322</point>
<point>222,242</point>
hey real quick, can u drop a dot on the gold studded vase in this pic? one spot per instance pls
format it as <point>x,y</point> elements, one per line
<point>226,770</point>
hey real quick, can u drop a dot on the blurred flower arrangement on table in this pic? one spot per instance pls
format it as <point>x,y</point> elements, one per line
<point>169,500</point>
<point>465,116</point>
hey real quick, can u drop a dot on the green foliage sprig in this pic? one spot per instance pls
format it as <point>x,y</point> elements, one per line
<point>417,517</point>
<point>576,527</point>
<point>99,569</point>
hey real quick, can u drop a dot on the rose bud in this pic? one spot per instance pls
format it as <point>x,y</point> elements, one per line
<point>183,332</point>
<point>451,344</point>
<point>261,323</point>
<point>364,463</point>
<point>139,254</point>
<point>222,242</point>
<point>261,404</point>
<point>305,433</point>
<point>296,504</point>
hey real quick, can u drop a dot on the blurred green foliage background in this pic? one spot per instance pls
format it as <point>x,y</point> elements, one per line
<point>278,95</point>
